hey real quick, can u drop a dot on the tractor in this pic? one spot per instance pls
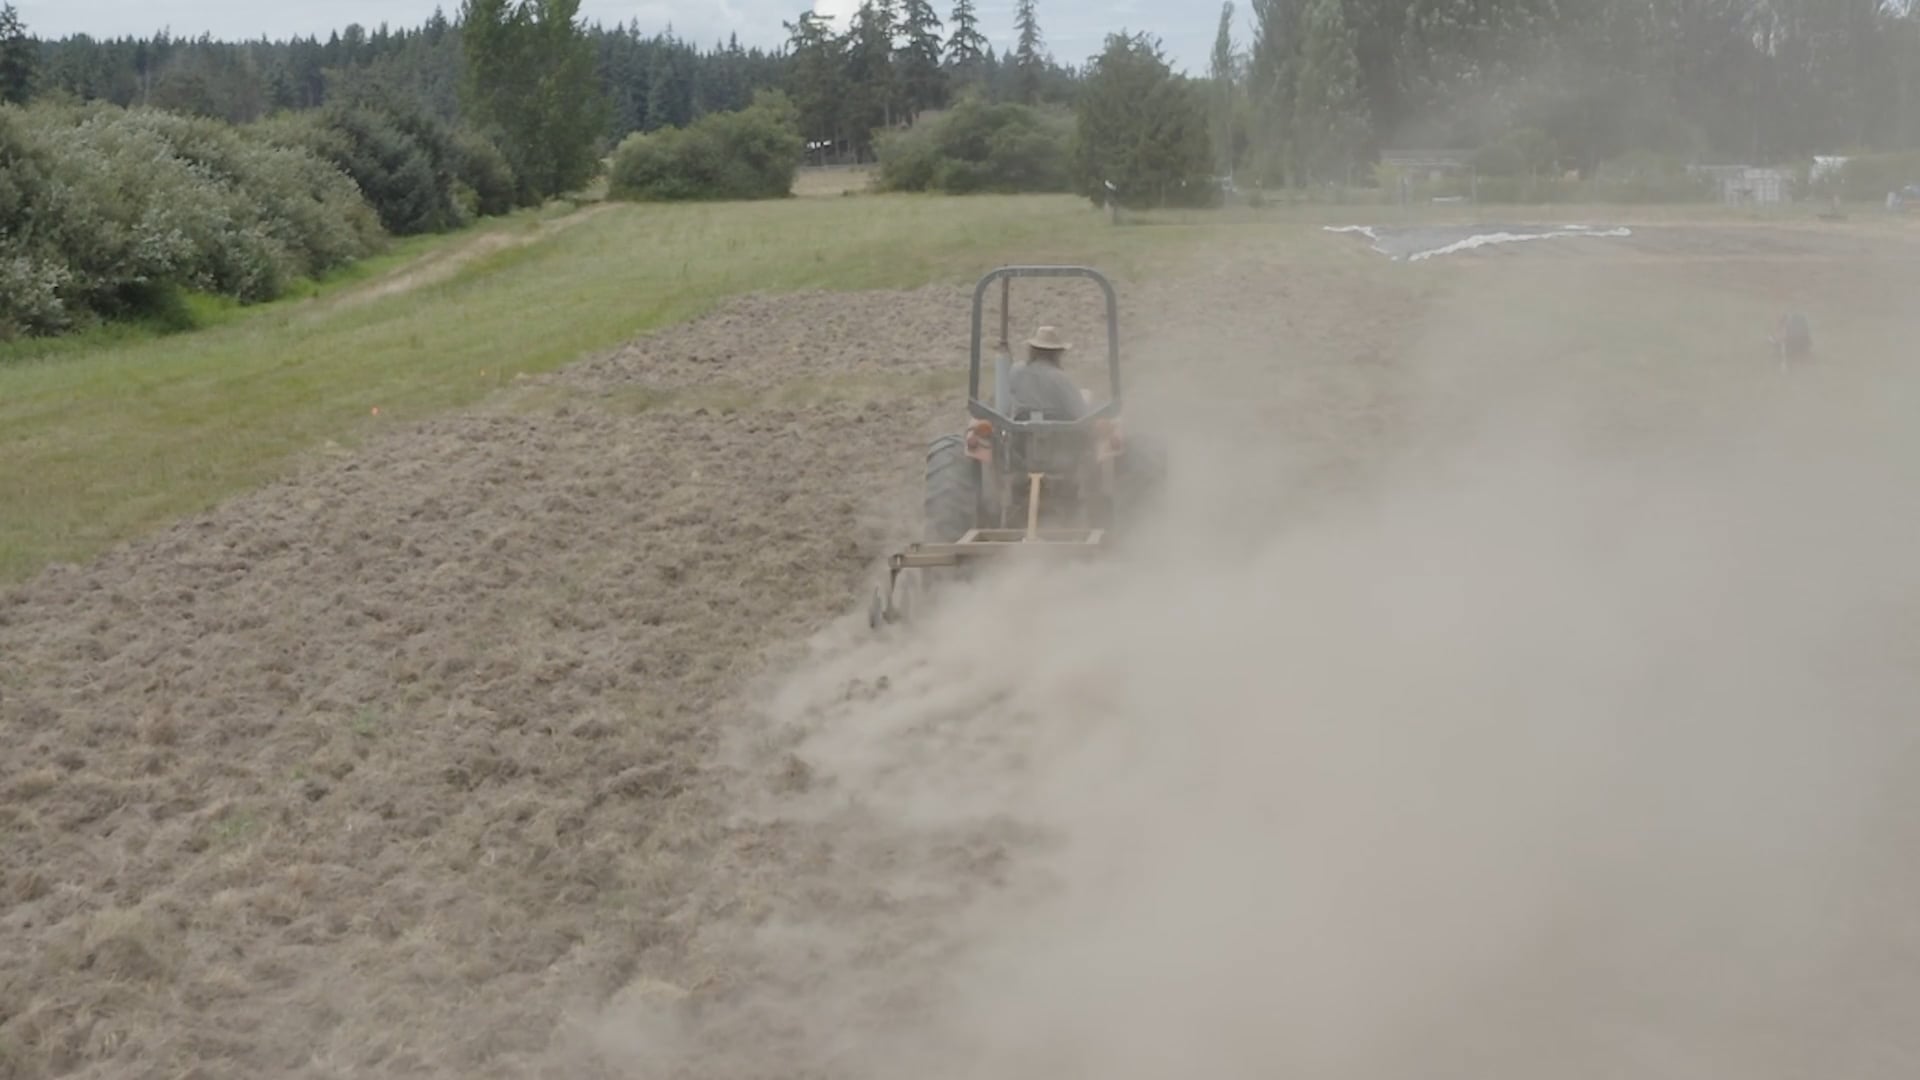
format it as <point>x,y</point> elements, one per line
<point>1016,484</point>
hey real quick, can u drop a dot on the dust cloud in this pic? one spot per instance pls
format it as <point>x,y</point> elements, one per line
<point>1572,742</point>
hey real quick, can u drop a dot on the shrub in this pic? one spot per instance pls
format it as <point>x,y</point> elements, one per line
<point>289,214</point>
<point>136,221</point>
<point>109,212</point>
<point>314,208</point>
<point>485,172</point>
<point>393,170</point>
<point>419,175</point>
<point>750,154</point>
<point>32,278</point>
<point>976,147</point>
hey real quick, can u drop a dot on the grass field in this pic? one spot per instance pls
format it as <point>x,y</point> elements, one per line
<point>110,434</point>
<point>107,437</point>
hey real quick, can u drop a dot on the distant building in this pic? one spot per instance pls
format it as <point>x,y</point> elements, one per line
<point>1745,185</point>
<point>1409,167</point>
<point>1435,164</point>
<point>1827,166</point>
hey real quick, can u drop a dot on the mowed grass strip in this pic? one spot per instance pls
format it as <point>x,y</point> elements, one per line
<point>102,443</point>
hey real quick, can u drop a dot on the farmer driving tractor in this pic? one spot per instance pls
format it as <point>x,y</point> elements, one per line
<point>1041,386</point>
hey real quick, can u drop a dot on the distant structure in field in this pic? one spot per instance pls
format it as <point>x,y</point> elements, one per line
<point>1412,167</point>
<point>1747,185</point>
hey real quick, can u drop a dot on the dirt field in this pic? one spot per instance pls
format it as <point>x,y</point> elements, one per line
<point>1527,690</point>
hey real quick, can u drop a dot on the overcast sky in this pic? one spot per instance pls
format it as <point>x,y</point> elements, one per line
<point>1073,28</point>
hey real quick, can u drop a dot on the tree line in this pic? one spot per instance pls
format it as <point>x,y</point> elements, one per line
<point>894,60</point>
<point>649,80</point>
<point>1301,90</point>
<point>897,59</point>
<point>1319,87</point>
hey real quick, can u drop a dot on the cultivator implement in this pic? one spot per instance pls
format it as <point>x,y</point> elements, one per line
<point>984,545</point>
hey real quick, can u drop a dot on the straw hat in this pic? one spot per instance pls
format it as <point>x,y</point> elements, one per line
<point>1048,339</point>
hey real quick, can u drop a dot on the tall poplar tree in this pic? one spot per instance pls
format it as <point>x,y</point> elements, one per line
<point>1224,91</point>
<point>532,78</point>
<point>1330,123</point>
<point>1273,82</point>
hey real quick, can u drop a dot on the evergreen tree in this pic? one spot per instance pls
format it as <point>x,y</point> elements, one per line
<point>1224,91</point>
<point>1543,85</point>
<point>1141,128</point>
<point>816,77</point>
<point>967,49</point>
<point>1027,59</point>
<point>1330,118</point>
<point>872,86</point>
<point>669,89</point>
<point>923,83</point>
<point>19,56</point>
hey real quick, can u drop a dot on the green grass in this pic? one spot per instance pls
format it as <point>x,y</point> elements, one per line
<point>108,435</point>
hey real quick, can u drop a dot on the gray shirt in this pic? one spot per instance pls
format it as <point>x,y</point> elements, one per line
<point>1042,387</point>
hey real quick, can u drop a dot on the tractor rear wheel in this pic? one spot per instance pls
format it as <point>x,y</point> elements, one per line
<point>953,489</point>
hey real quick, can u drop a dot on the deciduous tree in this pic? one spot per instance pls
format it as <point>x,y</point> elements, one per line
<point>1272,83</point>
<point>1330,114</point>
<point>531,78</point>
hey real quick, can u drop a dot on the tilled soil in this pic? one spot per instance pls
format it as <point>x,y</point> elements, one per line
<point>385,768</point>
<point>497,746</point>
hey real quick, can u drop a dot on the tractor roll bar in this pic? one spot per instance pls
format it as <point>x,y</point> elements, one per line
<point>1004,275</point>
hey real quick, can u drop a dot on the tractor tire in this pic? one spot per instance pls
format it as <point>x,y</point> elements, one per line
<point>953,490</point>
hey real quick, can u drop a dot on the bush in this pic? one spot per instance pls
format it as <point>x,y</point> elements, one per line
<point>419,175</point>
<point>136,220</point>
<point>394,172</point>
<point>32,277</point>
<point>110,212</point>
<point>289,214</point>
<point>483,169</point>
<point>750,154</point>
<point>980,147</point>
